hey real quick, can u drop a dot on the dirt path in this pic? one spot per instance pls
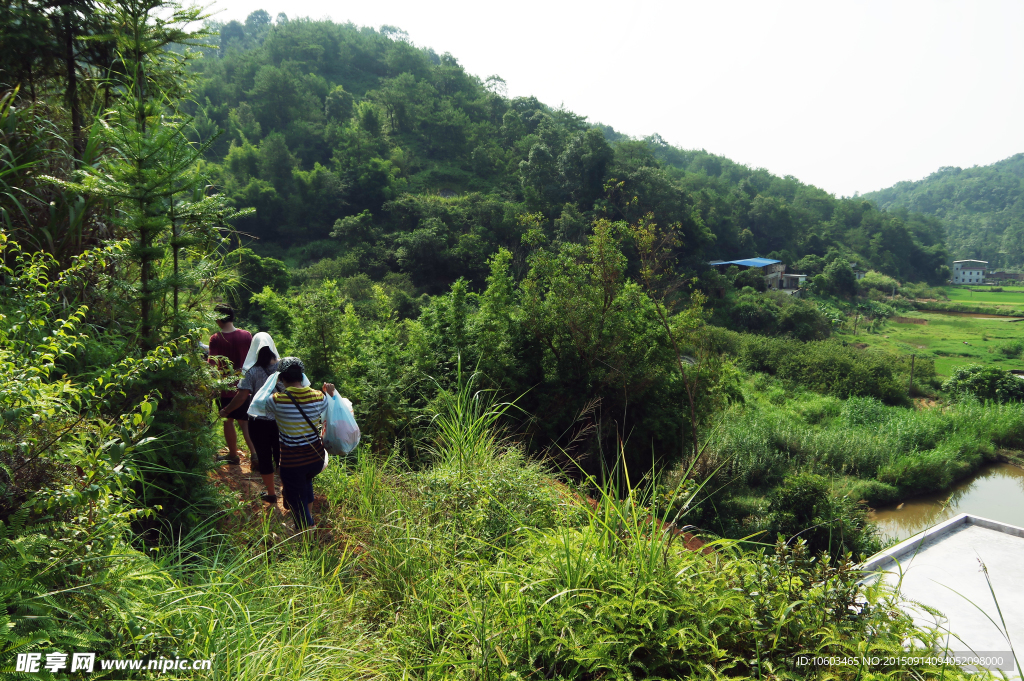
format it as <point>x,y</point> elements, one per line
<point>247,484</point>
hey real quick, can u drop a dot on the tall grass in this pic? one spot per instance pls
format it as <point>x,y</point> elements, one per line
<point>467,422</point>
<point>495,570</point>
<point>487,567</point>
<point>896,451</point>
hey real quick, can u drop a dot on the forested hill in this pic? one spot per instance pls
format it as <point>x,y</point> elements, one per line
<point>983,208</point>
<point>382,158</point>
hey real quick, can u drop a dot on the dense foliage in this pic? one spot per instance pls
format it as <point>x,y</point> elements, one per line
<point>392,159</point>
<point>78,462</point>
<point>986,383</point>
<point>578,345</point>
<point>982,208</point>
<point>517,302</point>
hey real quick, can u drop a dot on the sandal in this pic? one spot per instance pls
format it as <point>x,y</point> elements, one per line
<point>268,498</point>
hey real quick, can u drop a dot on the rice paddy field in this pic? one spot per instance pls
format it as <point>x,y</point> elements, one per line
<point>1009,297</point>
<point>951,339</point>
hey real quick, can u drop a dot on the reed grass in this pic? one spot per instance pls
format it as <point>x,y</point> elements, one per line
<point>487,567</point>
<point>896,451</point>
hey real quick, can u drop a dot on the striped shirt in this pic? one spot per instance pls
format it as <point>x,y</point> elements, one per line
<point>300,445</point>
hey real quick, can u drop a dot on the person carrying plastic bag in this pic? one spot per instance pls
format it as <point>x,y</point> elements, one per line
<point>299,412</point>
<point>258,406</point>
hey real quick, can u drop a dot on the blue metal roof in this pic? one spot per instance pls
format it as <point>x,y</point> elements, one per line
<point>748,262</point>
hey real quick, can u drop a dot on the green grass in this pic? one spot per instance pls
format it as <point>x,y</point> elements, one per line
<point>1010,296</point>
<point>484,566</point>
<point>546,586</point>
<point>874,452</point>
<point>943,339</point>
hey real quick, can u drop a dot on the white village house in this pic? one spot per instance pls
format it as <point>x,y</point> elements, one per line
<point>969,271</point>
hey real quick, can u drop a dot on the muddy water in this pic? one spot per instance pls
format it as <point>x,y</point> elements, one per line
<point>995,492</point>
<point>975,315</point>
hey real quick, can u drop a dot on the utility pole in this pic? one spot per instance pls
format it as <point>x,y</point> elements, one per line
<point>910,384</point>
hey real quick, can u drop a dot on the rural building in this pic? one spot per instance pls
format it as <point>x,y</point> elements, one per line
<point>945,568</point>
<point>858,274</point>
<point>790,282</point>
<point>1005,276</point>
<point>969,271</point>
<point>772,269</point>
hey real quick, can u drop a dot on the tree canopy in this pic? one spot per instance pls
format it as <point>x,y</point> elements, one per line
<point>346,133</point>
<point>982,208</point>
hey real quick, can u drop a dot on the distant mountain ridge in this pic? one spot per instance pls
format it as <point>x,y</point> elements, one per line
<point>983,208</point>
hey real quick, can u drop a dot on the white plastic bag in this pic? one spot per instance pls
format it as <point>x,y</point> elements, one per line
<point>258,405</point>
<point>341,434</point>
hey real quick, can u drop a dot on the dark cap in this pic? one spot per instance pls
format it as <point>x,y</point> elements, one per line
<point>291,369</point>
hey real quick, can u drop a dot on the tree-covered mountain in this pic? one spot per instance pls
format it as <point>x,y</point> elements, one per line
<point>357,147</point>
<point>982,208</point>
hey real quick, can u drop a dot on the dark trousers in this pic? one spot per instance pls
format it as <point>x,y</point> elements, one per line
<point>264,436</point>
<point>298,490</point>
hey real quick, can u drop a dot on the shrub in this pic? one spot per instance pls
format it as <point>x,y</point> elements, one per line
<point>864,411</point>
<point>832,368</point>
<point>805,506</point>
<point>776,313</point>
<point>751,277</point>
<point>923,290</point>
<point>492,502</point>
<point>802,319</point>
<point>755,314</point>
<point>926,471</point>
<point>985,383</point>
<point>876,281</point>
<point>1013,349</point>
<point>837,280</point>
<point>874,492</point>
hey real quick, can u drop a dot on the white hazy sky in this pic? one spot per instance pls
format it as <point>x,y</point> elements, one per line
<point>849,96</point>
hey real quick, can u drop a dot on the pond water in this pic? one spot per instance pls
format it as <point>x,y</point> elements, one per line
<point>975,315</point>
<point>995,492</point>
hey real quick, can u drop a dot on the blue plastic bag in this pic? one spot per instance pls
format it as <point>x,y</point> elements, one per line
<point>341,434</point>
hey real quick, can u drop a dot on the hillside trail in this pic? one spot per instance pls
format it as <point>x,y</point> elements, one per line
<point>244,480</point>
<point>248,485</point>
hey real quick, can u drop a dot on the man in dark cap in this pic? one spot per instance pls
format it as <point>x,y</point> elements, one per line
<point>228,349</point>
<point>299,414</point>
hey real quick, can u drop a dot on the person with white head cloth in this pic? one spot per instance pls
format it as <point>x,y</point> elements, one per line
<point>258,368</point>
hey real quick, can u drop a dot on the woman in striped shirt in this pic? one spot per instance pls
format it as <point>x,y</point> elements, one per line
<point>299,414</point>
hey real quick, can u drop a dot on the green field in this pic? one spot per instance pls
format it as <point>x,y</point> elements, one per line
<point>948,339</point>
<point>1010,296</point>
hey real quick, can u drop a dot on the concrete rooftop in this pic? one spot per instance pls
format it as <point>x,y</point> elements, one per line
<point>942,568</point>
